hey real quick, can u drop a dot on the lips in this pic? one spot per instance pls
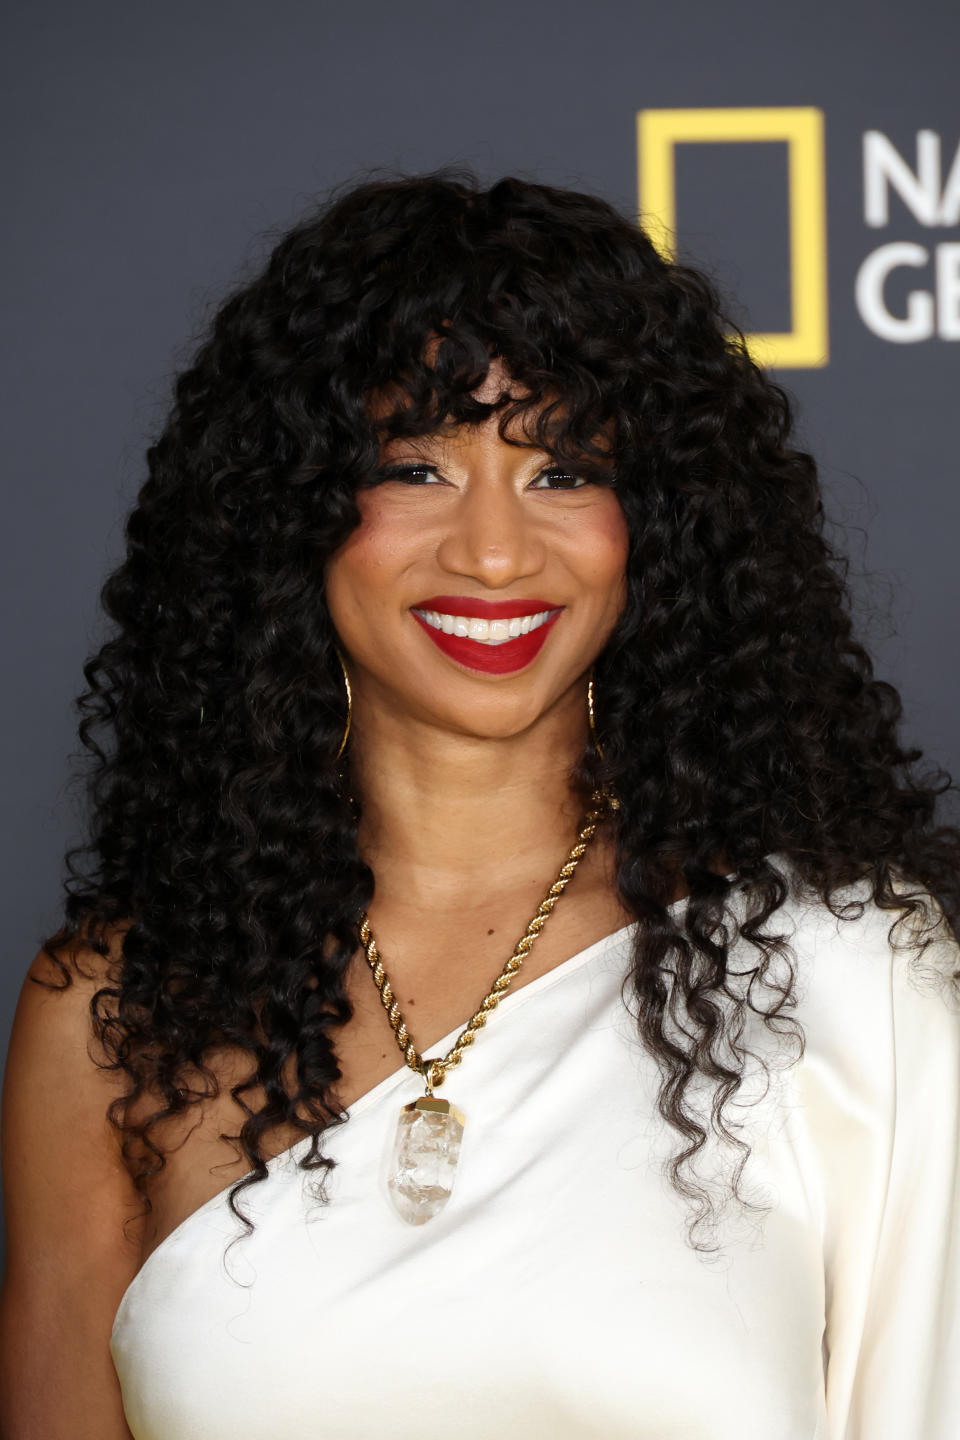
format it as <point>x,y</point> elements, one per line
<point>499,659</point>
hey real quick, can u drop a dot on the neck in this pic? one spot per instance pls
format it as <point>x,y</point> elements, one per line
<point>447,814</point>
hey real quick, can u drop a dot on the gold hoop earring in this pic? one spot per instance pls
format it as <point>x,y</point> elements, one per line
<point>346,681</point>
<point>593,724</point>
<point>608,795</point>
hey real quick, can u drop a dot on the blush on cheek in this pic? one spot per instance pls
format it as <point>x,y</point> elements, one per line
<point>388,532</point>
<point>363,573</point>
<point>617,529</point>
<point>606,549</point>
<point>369,545</point>
<point>610,557</point>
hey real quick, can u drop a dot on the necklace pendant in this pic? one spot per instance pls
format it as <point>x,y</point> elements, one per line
<point>426,1150</point>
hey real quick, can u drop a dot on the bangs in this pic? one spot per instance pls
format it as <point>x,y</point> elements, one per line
<point>434,396</point>
<point>471,281</point>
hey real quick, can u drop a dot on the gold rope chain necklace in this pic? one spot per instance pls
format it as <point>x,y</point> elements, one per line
<point>426,1148</point>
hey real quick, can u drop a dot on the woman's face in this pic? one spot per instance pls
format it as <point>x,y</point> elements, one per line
<point>477,531</point>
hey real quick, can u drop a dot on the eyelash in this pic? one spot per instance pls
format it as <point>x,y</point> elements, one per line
<point>401,472</point>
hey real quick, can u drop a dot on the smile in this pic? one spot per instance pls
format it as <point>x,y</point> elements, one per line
<point>488,632</point>
<point>492,636</point>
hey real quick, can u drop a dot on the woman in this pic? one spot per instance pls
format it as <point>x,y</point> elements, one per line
<point>514,987</point>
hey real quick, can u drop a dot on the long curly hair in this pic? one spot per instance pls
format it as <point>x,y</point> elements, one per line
<point>739,715</point>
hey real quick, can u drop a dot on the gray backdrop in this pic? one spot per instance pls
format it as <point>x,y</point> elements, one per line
<point>152,152</point>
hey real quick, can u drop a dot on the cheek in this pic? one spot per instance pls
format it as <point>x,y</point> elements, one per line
<point>375,540</point>
<point>602,551</point>
<point>366,559</point>
<point>363,575</point>
<point>352,575</point>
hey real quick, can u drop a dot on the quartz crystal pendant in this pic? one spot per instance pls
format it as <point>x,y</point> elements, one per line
<point>425,1154</point>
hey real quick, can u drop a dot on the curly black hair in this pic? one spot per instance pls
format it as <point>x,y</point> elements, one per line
<point>740,715</point>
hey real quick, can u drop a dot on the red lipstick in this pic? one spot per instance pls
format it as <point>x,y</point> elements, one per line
<point>499,659</point>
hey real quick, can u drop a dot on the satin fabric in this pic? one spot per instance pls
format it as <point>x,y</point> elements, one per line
<point>557,1294</point>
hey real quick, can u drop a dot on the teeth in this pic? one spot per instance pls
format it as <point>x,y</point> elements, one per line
<point>488,632</point>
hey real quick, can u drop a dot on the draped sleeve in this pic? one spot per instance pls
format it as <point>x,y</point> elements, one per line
<point>880,1095</point>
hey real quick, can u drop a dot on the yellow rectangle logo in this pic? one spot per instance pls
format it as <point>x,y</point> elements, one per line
<point>806,344</point>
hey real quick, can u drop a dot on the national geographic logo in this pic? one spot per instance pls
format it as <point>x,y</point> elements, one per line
<point>932,199</point>
<point>658,134</point>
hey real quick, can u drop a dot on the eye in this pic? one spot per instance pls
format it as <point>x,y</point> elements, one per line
<point>568,480</point>
<point>408,474</point>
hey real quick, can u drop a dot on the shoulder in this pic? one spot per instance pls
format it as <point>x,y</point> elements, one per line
<point>856,940</point>
<point>58,1142</point>
<point>53,1037</point>
<point>877,990</point>
<point>72,1211</point>
<point>860,979</point>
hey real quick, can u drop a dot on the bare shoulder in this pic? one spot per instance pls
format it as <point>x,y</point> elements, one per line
<point>56,1084</point>
<point>71,1208</point>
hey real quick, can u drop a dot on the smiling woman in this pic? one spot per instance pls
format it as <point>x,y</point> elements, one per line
<point>474,511</point>
<point>477,591</point>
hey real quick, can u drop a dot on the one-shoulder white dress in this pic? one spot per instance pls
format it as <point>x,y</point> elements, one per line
<point>557,1294</point>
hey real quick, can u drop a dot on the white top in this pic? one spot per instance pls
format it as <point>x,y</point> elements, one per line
<point>557,1294</point>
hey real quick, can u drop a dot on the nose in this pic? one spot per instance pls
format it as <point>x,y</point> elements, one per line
<point>492,537</point>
